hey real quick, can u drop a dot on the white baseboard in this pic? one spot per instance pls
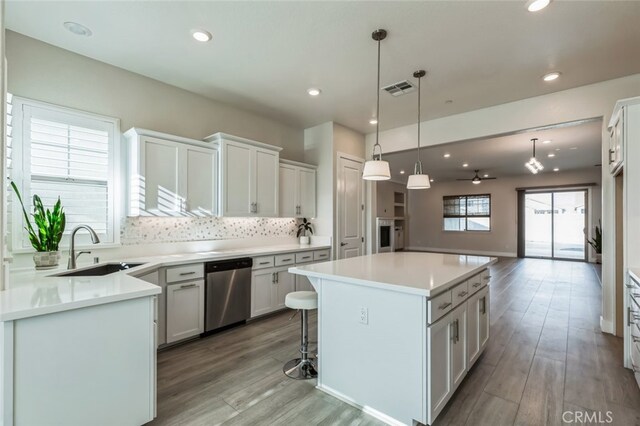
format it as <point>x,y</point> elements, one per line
<point>462,251</point>
<point>606,326</point>
<point>365,409</point>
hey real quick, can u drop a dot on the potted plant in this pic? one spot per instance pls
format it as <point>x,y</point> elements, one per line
<point>46,236</point>
<point>304,227</point>
<point>596,242</point>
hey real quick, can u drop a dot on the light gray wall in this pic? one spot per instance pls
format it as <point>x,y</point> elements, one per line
<point>425,211</point>
<point>47,73</point>
<point>385,197</point>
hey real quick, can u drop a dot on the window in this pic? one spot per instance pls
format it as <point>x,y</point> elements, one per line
<point>68,154</point>
<point>467,212</point>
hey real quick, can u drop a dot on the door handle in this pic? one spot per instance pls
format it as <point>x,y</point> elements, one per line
<point>343,244</point>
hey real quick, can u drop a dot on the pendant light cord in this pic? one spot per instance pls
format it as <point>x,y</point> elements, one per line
<point>378,108</point>
<point>419,115</point>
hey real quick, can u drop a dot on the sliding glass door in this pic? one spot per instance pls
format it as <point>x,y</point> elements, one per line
<point>555,224</point>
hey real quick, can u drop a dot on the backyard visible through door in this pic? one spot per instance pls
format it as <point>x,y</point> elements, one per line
<point>555,224</point>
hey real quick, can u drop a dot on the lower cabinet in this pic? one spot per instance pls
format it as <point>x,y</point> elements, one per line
<point>477,323</point>
<point>185,310</point>
<point>269,288</point>
<point>446,358</point>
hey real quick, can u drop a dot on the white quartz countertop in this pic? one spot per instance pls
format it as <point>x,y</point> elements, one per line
<point>425,274</point>
<point>31,293</point>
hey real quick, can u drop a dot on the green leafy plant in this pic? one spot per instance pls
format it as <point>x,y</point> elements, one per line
<point>49,224</point>
<point>304,227</point>
<point>596,241</point>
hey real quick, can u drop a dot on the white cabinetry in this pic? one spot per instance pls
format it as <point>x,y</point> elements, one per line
<point>477,324</point>
<point>616,141</point>
<point>271,280</point>
<point>185,301</point>
<point>185,310</point>
<point>170,175</point>
<point>297,189</point>
<point>248,177</point>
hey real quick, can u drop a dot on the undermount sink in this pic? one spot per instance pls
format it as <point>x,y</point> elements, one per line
<point>106,269</point>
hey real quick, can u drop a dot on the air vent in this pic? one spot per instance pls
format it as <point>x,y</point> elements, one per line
<point>399,88</point>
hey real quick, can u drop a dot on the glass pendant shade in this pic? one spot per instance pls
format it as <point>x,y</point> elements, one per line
<point>376,170</point>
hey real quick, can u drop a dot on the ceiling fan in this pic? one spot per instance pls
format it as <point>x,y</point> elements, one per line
<point>477,179</point>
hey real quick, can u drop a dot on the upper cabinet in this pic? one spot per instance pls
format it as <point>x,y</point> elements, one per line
<point>297,189</point>
<point>616,140</point>
<point>171,175</point>
<point>248,176</point>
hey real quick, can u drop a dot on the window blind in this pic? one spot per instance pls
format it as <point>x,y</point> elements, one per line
<point>467,212</point>
<point>69,156</point>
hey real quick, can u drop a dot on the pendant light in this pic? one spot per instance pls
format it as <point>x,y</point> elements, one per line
<point>533,164</point>
<point>377,168</point>
<point>418,180</point>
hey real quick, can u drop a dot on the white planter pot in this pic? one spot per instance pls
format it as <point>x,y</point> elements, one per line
<point>46,259</point>
<point>305,241</point>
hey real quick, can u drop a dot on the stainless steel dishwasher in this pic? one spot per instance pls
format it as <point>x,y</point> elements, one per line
<point>227,293</point>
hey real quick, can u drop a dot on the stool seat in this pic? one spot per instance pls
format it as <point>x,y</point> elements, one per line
<point>302,300</point>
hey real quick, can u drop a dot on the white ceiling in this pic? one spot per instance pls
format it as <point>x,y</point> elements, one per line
<point>264,55</point>
<point>575,147</point>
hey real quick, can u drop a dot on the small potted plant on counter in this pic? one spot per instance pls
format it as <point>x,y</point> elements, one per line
<point>46,236</point>
<point>304,227</point>
<point>596,242</point>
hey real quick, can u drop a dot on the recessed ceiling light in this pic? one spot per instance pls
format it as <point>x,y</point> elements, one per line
<point>432,180</point>
<point>78,29</point>
<point>313,91</point>
<point>486,175</point>
<point>574,147</point>
<point>556,169</point>
<point>372,121</point>
<point>536,5</point>
<point>448,101</point>
<point>551,155</point>
<point>201,35</point>
<point>557,149</point>
<point>447,155</point>
<point>546,142</point>
<point>551,76</point>
<point>465,164</point>
<point>401,172</point>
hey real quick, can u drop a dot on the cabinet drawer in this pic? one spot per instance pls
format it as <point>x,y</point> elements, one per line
<point>263,262</point>
<point>476,283</point>
<point>438,306</point>
<point>305,256</point>
<point>321,255</point>
<point>187,272</point>
<point>285,259</point>
<point>460,293</point>
<point>486,276</point>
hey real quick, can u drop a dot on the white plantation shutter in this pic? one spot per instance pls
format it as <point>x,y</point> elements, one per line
<point>69,155</point>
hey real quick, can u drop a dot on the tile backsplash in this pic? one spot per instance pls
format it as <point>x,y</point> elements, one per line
<point>148,230</point>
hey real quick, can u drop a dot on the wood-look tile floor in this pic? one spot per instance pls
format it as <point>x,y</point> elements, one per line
<point>545,356</point>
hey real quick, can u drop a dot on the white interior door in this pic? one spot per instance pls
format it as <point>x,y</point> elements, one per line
<point>350,212</point>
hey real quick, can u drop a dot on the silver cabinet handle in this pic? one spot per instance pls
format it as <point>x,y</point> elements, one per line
<point>629,322</point>
<point>462,294</point>
<point>187,285</point>
<point>611,152</point>
<point>484,305</point>
<point>182,274</point>
<point>456,331</point>
<point>306,257</point>
<point>477,284</point>
<point>264,263</point>
<point>444,306</point>
<point>287,260</point>
<point>635,339</point>
<point>277,277</point>
<point>629,285</point>
<point>273,278</point>
<point>487,278</point>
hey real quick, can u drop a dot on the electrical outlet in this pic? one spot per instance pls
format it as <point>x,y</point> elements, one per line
<point>364,315</point>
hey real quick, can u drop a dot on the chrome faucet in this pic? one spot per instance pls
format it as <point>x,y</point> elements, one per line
<point>72,249</point>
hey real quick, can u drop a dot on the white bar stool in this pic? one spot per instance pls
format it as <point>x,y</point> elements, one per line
<point>302,368</point>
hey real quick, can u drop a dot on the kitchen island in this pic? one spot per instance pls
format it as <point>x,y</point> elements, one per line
<point>397,332</point>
